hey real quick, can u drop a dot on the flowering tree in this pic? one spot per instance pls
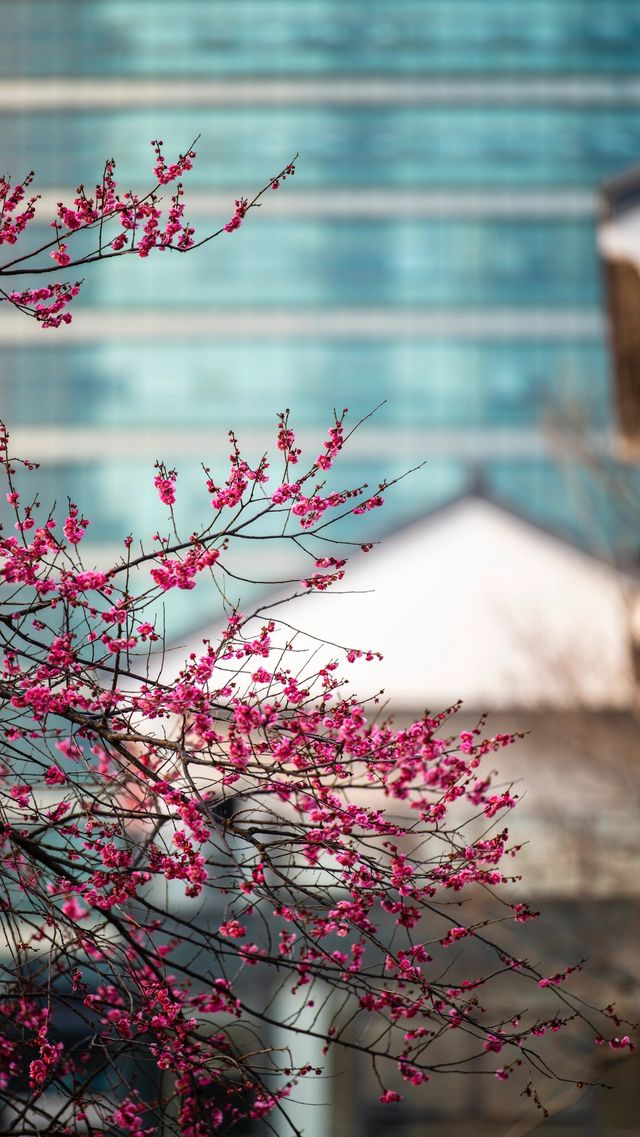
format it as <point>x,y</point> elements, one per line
<point>181,841</point>
<point>109,223</point>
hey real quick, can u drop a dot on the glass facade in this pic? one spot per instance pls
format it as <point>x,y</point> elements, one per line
<point>257,37</point>
<point>450,153</point>
<point>441,385</point>
<point>497,144</point>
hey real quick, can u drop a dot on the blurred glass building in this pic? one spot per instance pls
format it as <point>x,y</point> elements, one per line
<point>436,248</point>
<point>436,251</point>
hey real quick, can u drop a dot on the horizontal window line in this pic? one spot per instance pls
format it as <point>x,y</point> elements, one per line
<point>73,445</point>
<point>92,325</point>
<point>77,94</point>
<point>399,204</point>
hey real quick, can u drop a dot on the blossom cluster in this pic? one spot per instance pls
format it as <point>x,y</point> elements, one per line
<point>12,221</point>
<point>304,842</point>
<point>123,223</point>
<point>47,304</point>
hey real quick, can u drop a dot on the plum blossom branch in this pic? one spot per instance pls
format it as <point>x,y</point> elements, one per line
<point>135,224</point>
<point>314,847</point>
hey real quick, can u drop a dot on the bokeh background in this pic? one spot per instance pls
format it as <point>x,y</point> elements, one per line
<point>436,251</point>
<point>436,248</point>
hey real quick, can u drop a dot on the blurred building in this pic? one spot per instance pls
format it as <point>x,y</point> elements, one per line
<point>619,243</point>
<point>473,601</point>
<point>436,248</point>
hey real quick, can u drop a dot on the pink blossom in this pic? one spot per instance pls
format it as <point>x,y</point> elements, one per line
<point>74,910</point>
<point>238,216</point>
<point>74,526</point>
<point>165,484</point>
<point>54,776</point>
<point>21,794</point>
<point>61,255</point>
<point>232,928</point>
<point>69,747</point>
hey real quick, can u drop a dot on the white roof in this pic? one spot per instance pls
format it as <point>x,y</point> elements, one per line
<point>478,604</point>
<point>619,237</point>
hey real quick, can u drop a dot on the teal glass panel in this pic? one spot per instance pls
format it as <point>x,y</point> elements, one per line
<point>429,384</point>
<point>242,147</point>
<point>318,264</point>
<point>317,37</point>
